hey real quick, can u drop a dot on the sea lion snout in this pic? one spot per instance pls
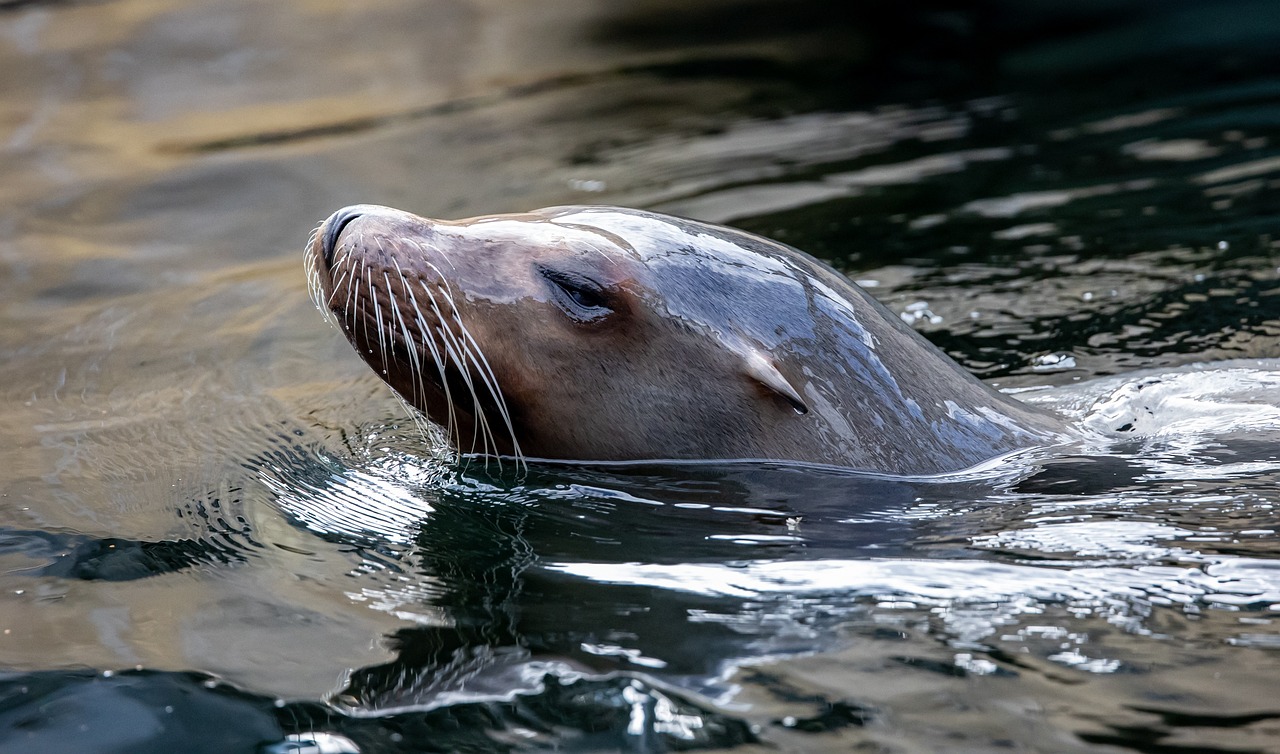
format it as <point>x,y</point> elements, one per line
<point>384,221</point>
<point>333,229</point>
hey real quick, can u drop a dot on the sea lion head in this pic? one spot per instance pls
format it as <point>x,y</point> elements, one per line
<point>602,333</point>
<point>556,334</point>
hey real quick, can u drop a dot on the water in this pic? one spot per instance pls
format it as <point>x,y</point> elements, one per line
<point>219,532</point>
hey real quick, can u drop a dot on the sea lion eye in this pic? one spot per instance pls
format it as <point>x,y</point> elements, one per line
<point>580,297</point>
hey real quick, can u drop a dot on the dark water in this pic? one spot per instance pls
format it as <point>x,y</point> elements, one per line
<point>219,532</point>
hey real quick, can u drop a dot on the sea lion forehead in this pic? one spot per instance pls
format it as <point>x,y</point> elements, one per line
<point>533,229</point>
<point>666,240</point>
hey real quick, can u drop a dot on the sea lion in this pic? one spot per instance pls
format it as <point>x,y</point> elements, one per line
<point>598,333</point>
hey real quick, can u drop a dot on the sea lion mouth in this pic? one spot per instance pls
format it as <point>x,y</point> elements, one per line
<point>390,298</point>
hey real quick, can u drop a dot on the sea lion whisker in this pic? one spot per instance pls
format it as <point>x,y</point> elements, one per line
<point>355,292</point>
<point>429,339</point>
<point>482,365</point>
<point>396,319</point>
<point>384,343</point>
<point>424,333</point>
<point>441,355</point>
<point>444,279</point>
<point>350,312</point>
<point>327,305</point>
<point>487,375</point>
<point>360,313</point>
<point>416,378</point>
<point>363,304</point>
<point>314,287</point>
<point>482,418</point>
<point>456,346</point>
<point>368,302</point>
<point>475,398</point>
<point>339,263</point>
<point>313,280</point>
<point>416,382</point>
<point>426,250</point>
<point>318,299</point>
<point>309,264</point>
<point>480,421</point>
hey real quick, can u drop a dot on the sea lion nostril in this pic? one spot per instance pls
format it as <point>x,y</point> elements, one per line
<point>333,228</point>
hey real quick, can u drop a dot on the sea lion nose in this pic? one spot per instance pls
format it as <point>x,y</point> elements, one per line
<point>333,228</point>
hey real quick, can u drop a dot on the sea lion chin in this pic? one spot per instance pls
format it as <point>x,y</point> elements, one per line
<point>611,334</point>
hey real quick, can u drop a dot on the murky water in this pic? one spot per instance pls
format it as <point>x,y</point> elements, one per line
<point>219,532</point>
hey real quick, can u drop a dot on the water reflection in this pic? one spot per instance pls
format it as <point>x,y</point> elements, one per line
<point>689,573</point>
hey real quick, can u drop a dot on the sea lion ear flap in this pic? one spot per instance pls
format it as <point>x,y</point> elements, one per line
<point>760,368</point>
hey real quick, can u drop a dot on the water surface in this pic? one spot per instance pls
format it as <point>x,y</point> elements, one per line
<point>219,532</point>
